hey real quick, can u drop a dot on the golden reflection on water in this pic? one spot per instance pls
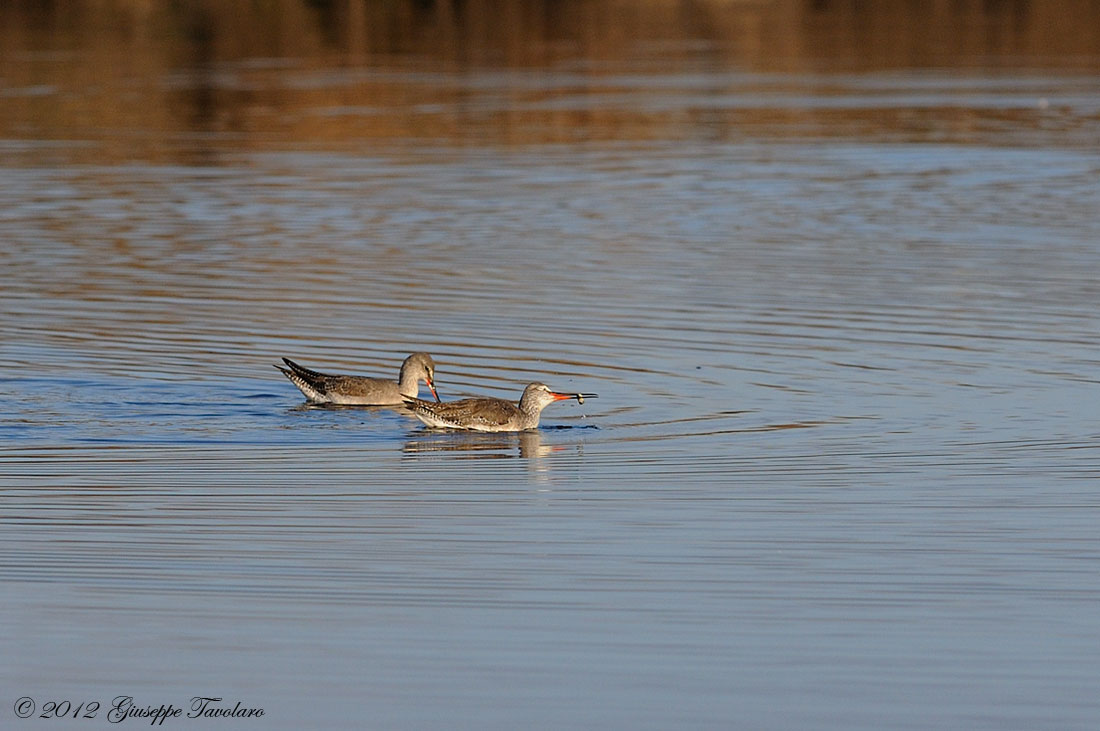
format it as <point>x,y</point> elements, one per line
<point>157,80</point>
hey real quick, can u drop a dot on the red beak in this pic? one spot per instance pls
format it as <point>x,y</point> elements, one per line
<point>565,396</point>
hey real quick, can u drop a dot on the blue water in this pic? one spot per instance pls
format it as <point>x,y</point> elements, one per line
<point>841,474</point>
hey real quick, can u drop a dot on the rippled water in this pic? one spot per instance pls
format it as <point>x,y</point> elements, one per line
<point>842,472</point>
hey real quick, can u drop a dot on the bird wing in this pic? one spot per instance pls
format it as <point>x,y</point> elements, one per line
<point>470,413</point>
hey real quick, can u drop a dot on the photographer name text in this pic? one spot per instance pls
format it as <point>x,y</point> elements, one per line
<point>125,708</point>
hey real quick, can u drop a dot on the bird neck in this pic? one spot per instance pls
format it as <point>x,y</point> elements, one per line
<point>408,383</point>
<point>530,407</point>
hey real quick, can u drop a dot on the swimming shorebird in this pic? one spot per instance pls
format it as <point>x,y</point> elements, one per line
<point>491,414</point>
<point>322,388</point>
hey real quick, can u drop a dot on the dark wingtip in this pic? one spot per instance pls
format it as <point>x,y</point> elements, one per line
<point>313,377</point>
<point>413,405</point>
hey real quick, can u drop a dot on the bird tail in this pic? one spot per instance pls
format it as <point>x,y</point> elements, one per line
<point>311,383</point>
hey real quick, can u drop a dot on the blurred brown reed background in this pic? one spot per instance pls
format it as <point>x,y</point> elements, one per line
<point>146,80</point>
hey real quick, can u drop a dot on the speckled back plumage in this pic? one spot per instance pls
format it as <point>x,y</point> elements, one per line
<point>478,414</point>
<point>485,413</point>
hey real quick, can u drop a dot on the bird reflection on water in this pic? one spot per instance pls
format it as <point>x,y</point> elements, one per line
<point>486,445</point>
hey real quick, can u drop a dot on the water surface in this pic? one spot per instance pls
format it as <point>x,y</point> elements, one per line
<point>837,295</point>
